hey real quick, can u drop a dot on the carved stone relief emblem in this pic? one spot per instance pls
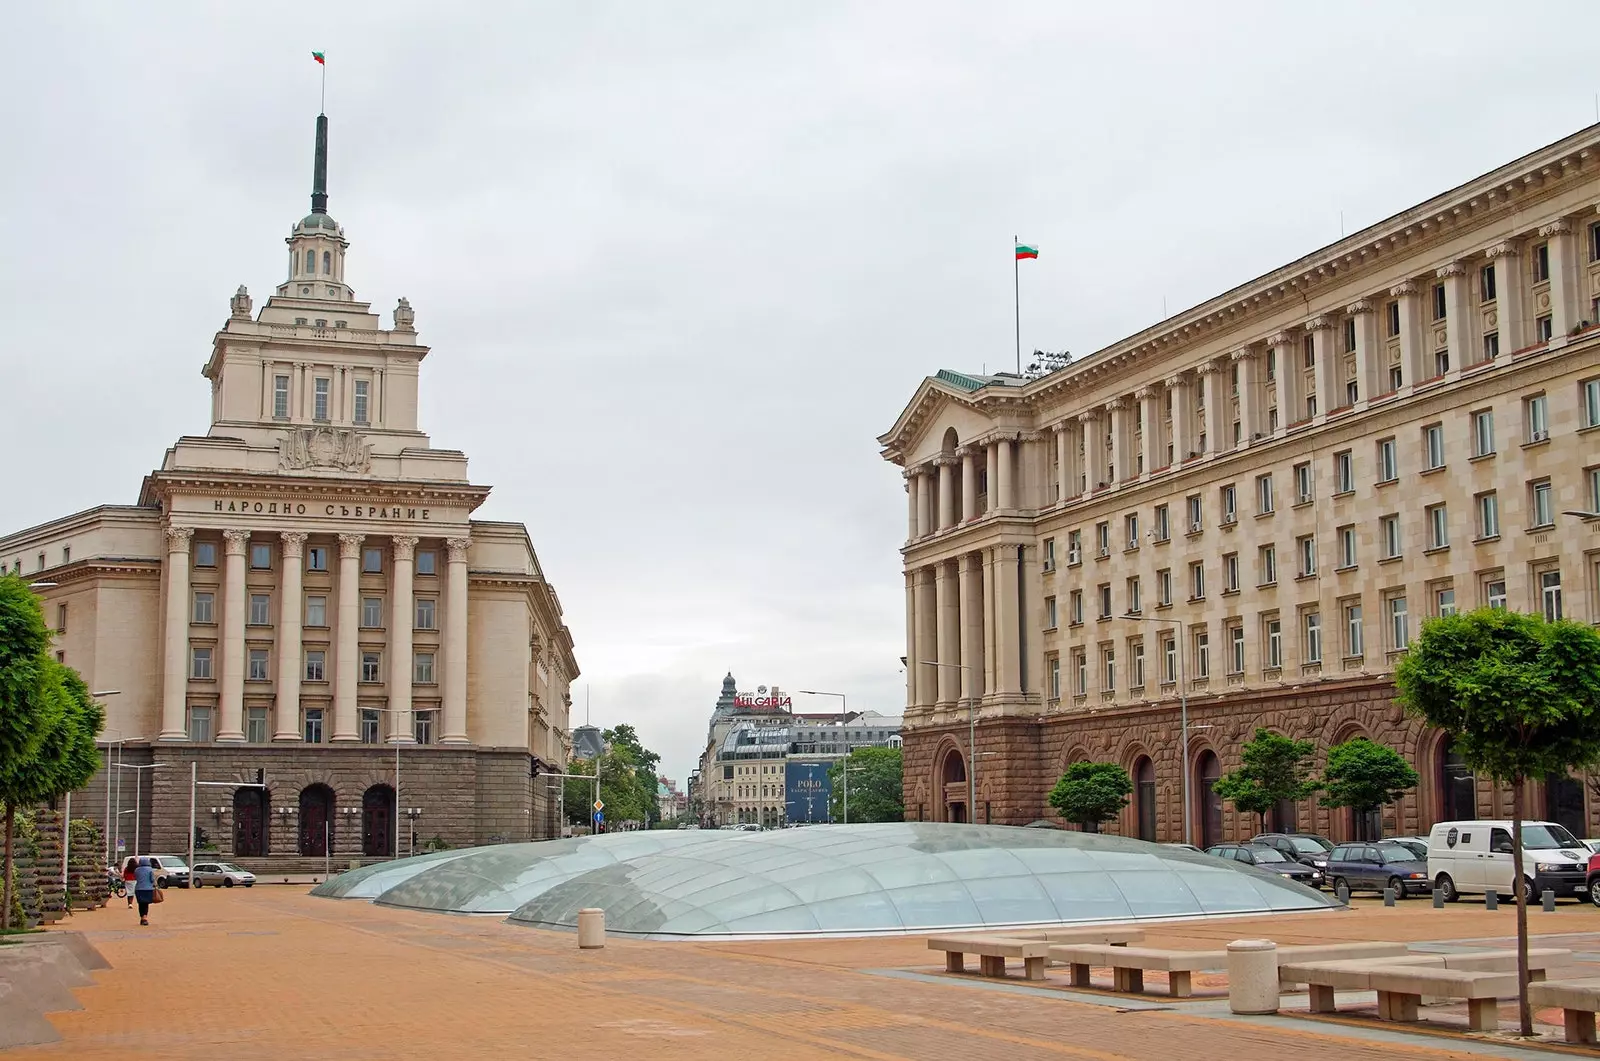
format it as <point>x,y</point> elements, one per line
<point>324,447</point>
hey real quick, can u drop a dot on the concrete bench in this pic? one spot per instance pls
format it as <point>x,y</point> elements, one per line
<point>1129,964</point>
<point>1401,987</point>
<point>1578,1000</point>
<point>992,952</point>
<point>1115,937</point>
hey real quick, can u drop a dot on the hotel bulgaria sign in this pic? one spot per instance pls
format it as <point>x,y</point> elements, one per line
<point>300,508</point>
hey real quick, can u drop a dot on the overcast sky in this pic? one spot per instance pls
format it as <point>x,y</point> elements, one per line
<point>679,264</point>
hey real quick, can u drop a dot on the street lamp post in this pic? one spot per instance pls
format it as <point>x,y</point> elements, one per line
<point>844,733</point>
<point>138,792</point>
<point>1183,707</point>
<point>972,737</point>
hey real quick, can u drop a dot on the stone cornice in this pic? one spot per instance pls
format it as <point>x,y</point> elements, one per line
<point>170,483</point>
<point>1359,306</point>
<point>1506,248</point>
<point>1450,269</point>
<point>1559,227</point>
<point>106,566</point>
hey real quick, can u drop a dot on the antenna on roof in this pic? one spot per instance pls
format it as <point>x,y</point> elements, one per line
<point>585,703</point>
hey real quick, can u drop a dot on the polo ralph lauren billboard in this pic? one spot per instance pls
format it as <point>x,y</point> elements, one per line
<point>806,791</point>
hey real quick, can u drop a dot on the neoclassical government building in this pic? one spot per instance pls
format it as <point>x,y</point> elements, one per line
<point>302,590</point>
<point>1256,503</point>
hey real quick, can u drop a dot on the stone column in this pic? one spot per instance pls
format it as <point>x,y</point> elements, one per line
<point>924,501</point>
<point>912,648</point>
<point>1510,296</point>
<point>1411,353</point>
<point>1007,461</point>
<point>230,726</point>
<point>455,643</point>
<point>948,632</point>
<point>913,498</point>
<point>1458,316</point>
<point>1369,373</point>
<point>347,655</point>
<point>1152,445</point>
<point>1007,643</point>
<point>175,664</point>
<point>1094,444</point>
<point>401,622</point>
<point>1286,355</point>
<point>1182,418</point>
<point>926,679</point>
<point>1250,419</point>
<point>991,489</point>
<point>969,484</point>
<point>1564,314</point>
<point>947,491</point>
<point>1065,484</point>
<point>1325,344</point>
<point>971,574</point>
<point>1121,440</point>
<point>287,724</point>
<point>1211,379</point>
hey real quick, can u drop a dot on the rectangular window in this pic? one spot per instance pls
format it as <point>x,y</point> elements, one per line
<point>1352,392</point>
<point>1396,377</point>
<point>1488,515</point>
<point>422,669</point>
<point>1075,607</point>
<point>200,724</point>
<point>1347,546</point>
<point>261,557</point>
<point>1049,613</point>
<point>1433,445</point>
<point>1388,461</point>
<point>1543,328</point>
<point>258,666</point>
<point>426,607</point>
<point>1486,283</point>
<point>361,401</point>
<point>422,725</point>
<point>320,399</point>
<point>1349,335</point>
<point>1236,650</point>
<point>1230,504</point>
<point>1311,406</point>
<point>1399,625</point>
<point>1491,345</point>
<point>316,666</point>
<point>200,663</point>
<point>1353,646</point>
<point>1494,594</point>
<point>371,667</point>
<point>1541,263</point>
<point>1102,538</point>
<point>1108,669</point>
<point>1163,521</point>
<point>372,561</point>
<point>205,554</point>
<point>1303,484</point>
<point>1049,554</point>
<point>1344,473</point>
<point>1594,243</point>
<point>372,612</point>
<point>1202,655</point>
<point>316,611</point>
<point>1264,494</point>
<point>1274,643</point>
<point>1313,627</point>
<point>1439,304</point>
<point>1307,547</point>
<point>255,725</point>
<point>1308,351</point>
<point>1135,603</point>
<point>1197,580</point>
<point>1272,364</point>
<point>1080,672</point>
<point>205,607</point>
<point>1105,600</point>
<point>316,558</point>
<point>280,397</point>
<point>1444,602</point>
<point>1164,587</point>
<point>1230,573</point>
<point>369,727</point>
<point>1594,489</point>
<point>1074,547</point>
<point>1169,659</point>
<point>260,609</point>
<point>1536,415</point>
<point>1441,362</point>
<point>313,726</point>
<point>1550,595</point>
<point>1269,565</point>
<point>1438,527</point>
<point>1055,677</point>
<point>1389,527</point>
<point>1591,402</point>
<point>1392,315</point>
<point>1542,508</point>
<point>1193,505</point>
<point>427,562</point>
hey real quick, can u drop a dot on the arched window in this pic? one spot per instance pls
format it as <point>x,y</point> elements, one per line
<point>952,774</point>
<point>378,821</point>
<point>1458,786</point>
<point>316,820</point>
<point>1144,797</point>
<point>1208,772</point>
<point>311,262</point>
<point>250,822</point>
<point>327,263</point>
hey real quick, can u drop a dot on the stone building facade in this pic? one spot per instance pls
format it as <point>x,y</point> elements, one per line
<point>302,591</point>
<point>1256,503</point>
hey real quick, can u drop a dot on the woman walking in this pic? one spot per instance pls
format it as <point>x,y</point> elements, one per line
<point>144,888</point>
<point>129,865</point>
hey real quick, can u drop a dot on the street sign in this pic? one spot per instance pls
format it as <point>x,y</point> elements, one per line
<point>599,817</point>
<point>599,804</point>
<point>122,845</point>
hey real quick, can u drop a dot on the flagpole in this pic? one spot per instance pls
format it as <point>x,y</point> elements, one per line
<point>323,106</point>
<point>1016,299</point>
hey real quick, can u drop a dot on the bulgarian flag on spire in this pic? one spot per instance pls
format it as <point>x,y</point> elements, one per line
<point>319,57</point>
<point>1025,250</point>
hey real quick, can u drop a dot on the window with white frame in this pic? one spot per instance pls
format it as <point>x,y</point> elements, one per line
<point>1542,508</point>
<point>316,666</point>
<point>258,666</point>
<point>1164,587</point>
<point>422,668</point>
<point>1307,548</point>
<point>1102,538</point>
<point>1264,493</point>
<point>1591,402</point>
<point>200,724</point>
<point>1486,286</point>
<point>1080,672</point>
<point>1202,655</point>
<point>1482,432</point>
<point>1236,649</point>
<point>316,558</point>
<point>1230,504</point>
<point>1396,378</point>
<point>200,663</point>
<point>1105,600</point>
<point>1055,677</point>
<point>1169,659</point>
<point>1544,328</point>
<point>1541,263</point>
<point>205,604</point>
<point>1135,602</point>
<point>1353,644</point>
<point>369,727</point>
<point>1197,580</point>
<point>1491,345</point>
<point>1494,594</point>
<point>372,612</point>
<point>260,609</point>
<point>1399,625</point>
<point>1193,506</point>
<point>320,398</point>
<point>1388,461</point>
<point>1433,446</point>
<point>1389,528</point>
<point>1593,475</point>
<point>1444,601</point>
<point>313,725</point>
<point>316,611</point>
<point>1136,668</point>
<point>371,667</point>
<point>1130,527</point>
<point>1268,562</point>
<point>1108,669</point>
<point>260,556</point>
<point>1230,573</point>
<point>1344,476</point>
<point>1488,515</point>
<point>1163,523</point>
<point>1303,486</point>
<point>1441,362</point>
<point>1313,637</point>
<point>255,725</point>
<point>1049,613</point>
<point>1075,607</point>
<point>361,401</point>
<point>1550,594</point>
<point>1347,546</point>
<point>1274,643</point>
<point>427,613</point>
<point>1536,415</point>
<point>1438,527</point>
<point>280,397</point>
<point>1049,549</point>
<point>1074,546</point>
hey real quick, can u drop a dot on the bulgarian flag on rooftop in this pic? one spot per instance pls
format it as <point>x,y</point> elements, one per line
<point>1025,250</point>
<point>319,57</point>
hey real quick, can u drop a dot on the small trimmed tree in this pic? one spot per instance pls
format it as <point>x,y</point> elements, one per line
<point>1091,793</point>
<point>1520,698</point>
<point>1365,775</point>
<point>1275,769</point>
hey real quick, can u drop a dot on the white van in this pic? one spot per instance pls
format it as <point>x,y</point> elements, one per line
<point>1469,858</point>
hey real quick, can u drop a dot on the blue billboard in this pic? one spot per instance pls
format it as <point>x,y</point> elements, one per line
<point>806,792</point>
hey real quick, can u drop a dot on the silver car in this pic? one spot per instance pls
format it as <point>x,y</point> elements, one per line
<point>225,874</point>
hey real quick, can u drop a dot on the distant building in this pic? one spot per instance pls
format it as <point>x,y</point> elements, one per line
<point>587,743</point>
<point>673,804</point>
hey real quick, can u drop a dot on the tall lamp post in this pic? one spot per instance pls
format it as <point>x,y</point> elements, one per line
<point>397,746</point>
<point>972,737</point>
<point>844,734</point>
<point>1183,706</point>
<point>138,790</point>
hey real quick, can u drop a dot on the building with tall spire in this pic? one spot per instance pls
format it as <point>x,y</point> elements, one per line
<point>301,593</point>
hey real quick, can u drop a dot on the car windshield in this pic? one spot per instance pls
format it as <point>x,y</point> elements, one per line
<point>229,867</point>
<point>1396,853</point>
<point>1268,854</point>
<point>1547,837</point>
<point>1418,850</point>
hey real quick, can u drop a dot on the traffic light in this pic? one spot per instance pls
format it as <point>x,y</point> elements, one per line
<point>533,769</point>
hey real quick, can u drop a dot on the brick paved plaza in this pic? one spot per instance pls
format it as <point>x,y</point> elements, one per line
<point>274,973</point>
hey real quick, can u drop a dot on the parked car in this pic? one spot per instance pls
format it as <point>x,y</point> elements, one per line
<point>225,874</point>
<point>1591,882</point>
<point>1471,857</point>
<point>1308,848</point>
<point>1379,865</point>
<point>1592,845</point>
<point>1185,847</point>
<point>1419,844</point>
<point>1269,858</point>
<point>171,870</point>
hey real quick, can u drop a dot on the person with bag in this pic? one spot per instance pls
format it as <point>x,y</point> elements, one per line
<point>129,866</point>
<point>145,890</point>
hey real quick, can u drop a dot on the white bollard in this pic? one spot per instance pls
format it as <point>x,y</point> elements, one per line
<point>592,930</point>
<point>1253,976</point>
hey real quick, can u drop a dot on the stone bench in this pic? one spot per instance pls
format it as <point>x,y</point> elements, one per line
<point>1401,987</point>
<point>992,952</point>
<point>1578,1000</point>
<point>1129,964</point>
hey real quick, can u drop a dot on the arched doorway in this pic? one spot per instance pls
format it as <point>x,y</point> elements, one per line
<point>316,820</point>
<point>1208,771</point>
<point>1458,786</point>
<point>1563,801</point>
<point>250,822</point>
<point>1144,797</point>
<point>953,786</point>
<point>378,821</point>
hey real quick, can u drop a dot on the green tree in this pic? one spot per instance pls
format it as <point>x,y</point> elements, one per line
<point>1520,698</point>
<point>1364,775</point>
<point>646,772</point>
<point>622,788</point>
<point>1091,793</point>
<point>876,786</point>
<point>1275,769</point>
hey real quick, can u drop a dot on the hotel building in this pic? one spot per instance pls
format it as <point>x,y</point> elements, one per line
<point>1256,503</point>
<point>302,591</point>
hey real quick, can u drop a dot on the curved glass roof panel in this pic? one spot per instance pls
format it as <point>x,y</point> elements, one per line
<point>369,882</point>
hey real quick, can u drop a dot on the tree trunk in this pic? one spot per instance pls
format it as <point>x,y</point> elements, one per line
<point>5,892</point>
<point>1524,1012</point>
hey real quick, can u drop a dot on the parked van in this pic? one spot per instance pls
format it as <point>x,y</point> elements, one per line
<point>1469,858</point>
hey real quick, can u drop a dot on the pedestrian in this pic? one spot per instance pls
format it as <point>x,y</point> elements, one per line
<point>129,868</point>
<point>144,888</point>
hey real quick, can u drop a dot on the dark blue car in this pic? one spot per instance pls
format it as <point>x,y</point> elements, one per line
<point>1378,865</point>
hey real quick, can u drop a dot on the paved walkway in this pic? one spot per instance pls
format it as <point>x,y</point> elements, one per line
<point>272,973</point>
